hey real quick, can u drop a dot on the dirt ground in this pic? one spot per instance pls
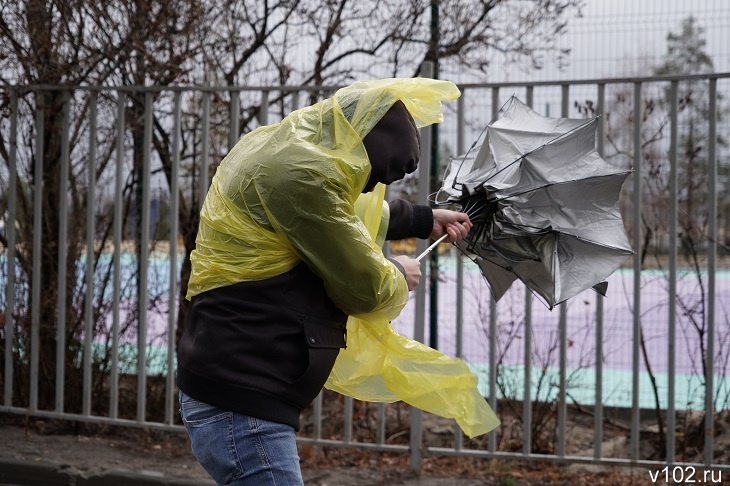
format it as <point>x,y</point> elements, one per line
<point>94,450</point>
<point>102,451</point>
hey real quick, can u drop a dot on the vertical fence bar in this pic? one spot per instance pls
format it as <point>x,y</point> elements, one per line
<point>172,295</point>
<point>90,242</point>
<point>294,100</point>
<point>419,331</point>
<point>317,432</point>
<point>635,410</point>
<point>527,377</point>
<point>598,407</point>
<point>380,423</point>
<point>144,261</point>
<point>264,110</point>
<point>527,386</point>
<point>205,149</point>
<point>117,257</point>
<point>672,316</point>
<point>234,114</point>
<point>62,257</point>
<point>460,148</point>
<point>563,326</point>
<point>10,229</point>
<point>492,435</point>
<point>711,271</point>
<point>37,242</point>
<point>347,411</point>
<point>562,402</point>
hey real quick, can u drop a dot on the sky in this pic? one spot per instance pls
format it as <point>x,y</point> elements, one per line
<point>616,38</point>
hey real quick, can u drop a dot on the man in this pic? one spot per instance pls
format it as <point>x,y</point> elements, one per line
<point>282,260</point>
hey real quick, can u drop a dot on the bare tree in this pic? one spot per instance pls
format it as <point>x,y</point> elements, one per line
<point>56,44</point>
<point>393,38</point>
<point>46,43</point>
<point>48,46</point>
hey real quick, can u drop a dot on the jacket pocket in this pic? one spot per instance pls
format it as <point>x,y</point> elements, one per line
<point>324,340</point>
<point>324,334</point>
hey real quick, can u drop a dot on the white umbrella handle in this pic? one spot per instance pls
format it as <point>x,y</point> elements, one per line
<point>428,250</point>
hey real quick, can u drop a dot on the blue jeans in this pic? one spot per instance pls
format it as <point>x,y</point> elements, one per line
<point>241,450</point>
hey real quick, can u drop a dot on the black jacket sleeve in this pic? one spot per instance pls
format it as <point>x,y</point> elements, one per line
<point>409,220</point>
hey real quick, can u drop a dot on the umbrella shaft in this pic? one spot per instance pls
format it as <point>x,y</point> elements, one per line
<point>428,250</point>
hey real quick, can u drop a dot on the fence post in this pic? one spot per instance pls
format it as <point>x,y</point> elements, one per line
<point>419,330</point>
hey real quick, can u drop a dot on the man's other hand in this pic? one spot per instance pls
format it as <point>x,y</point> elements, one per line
<point>412,270</point>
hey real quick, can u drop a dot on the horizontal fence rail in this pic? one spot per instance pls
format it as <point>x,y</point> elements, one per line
<point>101,187</point>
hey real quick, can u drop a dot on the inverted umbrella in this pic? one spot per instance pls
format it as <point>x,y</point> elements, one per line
<point>543,202</point>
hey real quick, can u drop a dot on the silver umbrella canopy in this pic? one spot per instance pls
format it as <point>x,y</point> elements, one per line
<point>543,202</point>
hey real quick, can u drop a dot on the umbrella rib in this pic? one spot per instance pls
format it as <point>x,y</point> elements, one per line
<point>474,206</point>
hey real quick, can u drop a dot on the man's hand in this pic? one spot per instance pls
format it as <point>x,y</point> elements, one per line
<point>412,270</point>
<point>453,223</point>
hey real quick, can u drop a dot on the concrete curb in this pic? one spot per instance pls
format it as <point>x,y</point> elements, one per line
<point>24,473</point>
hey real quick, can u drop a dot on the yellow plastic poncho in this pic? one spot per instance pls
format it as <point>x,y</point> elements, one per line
<point>288,193</point>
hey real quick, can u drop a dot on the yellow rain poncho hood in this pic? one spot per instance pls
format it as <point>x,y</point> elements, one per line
<point>252,230</point>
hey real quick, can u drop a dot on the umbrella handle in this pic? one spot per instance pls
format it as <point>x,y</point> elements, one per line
<point>428,250</point>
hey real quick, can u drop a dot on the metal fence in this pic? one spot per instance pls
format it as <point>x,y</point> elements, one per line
<point>89,326</point>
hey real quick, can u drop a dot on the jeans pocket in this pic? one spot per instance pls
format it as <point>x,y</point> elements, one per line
<point>196,413</point>
<point>211,438</point>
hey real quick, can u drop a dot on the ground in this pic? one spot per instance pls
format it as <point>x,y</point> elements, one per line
<point>97,450</point>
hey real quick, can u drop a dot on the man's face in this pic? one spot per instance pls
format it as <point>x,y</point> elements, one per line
<point>393,146</point>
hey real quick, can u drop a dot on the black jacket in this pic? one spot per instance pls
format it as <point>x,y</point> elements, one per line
<point>266,348</point>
